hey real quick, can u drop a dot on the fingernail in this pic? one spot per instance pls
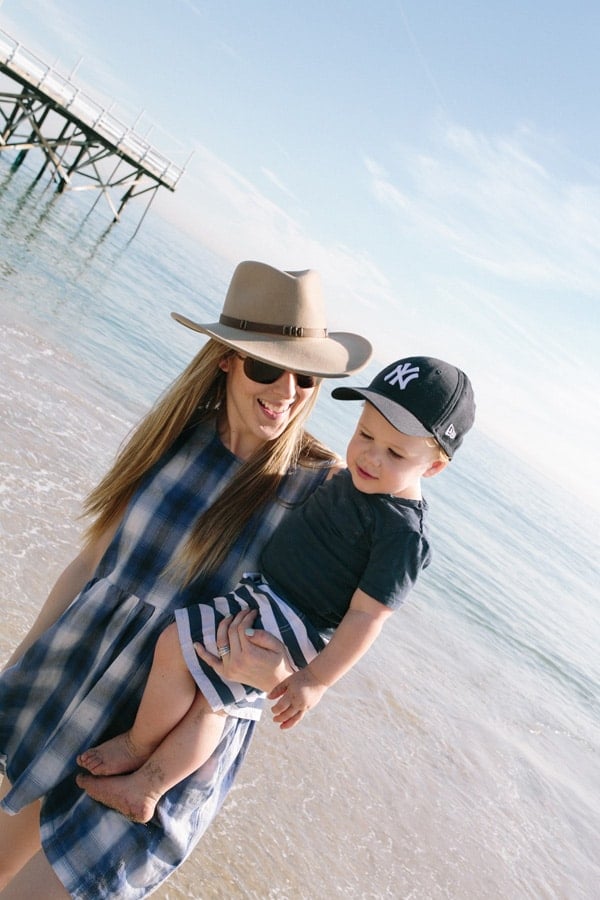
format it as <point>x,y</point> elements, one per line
<point>249,631</point>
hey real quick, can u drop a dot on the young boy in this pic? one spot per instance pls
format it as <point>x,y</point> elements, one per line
<point>331,574</point>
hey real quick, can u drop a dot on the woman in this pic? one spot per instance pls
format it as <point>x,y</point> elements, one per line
<point>183,512</point>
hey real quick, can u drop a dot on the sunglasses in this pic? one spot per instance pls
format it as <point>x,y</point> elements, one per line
<point>264,373</point>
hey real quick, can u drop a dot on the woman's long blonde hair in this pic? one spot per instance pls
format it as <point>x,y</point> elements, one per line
<point>196,395</point>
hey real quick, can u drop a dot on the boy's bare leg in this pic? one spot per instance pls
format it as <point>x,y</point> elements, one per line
<point>183,751</point>
<point>19,837</point>
<point>168,696</point>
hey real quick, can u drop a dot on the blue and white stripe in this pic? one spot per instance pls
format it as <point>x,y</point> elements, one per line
<point>199,624</point>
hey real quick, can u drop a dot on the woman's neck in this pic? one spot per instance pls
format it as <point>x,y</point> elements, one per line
<point>242,445</point>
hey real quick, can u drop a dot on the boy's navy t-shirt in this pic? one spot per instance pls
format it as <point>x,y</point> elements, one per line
<point>341,539</point>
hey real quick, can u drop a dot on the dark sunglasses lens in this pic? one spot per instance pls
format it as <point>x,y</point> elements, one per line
<point>261,372</point>
<point>264,373</point>
<point>306,381</point>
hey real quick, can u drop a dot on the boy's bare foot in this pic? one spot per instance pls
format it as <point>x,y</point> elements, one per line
<point>117,756</point>
<point>120,792</point>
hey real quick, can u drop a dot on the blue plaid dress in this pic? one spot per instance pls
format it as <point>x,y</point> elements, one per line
<point>81,682</point>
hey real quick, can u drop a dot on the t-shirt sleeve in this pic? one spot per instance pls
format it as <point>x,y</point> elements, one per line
<point>394,564</point>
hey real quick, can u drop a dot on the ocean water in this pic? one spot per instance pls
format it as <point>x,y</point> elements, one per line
<point>460,759</point>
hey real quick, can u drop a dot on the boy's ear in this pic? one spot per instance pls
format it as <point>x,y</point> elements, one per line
<point>435,468</point>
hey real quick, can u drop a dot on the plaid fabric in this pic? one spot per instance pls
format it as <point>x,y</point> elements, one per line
<point>200,623</point>
<point>82,681</point>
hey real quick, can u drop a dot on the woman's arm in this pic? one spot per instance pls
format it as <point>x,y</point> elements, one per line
<point>355,634</point>
<point>68,585</point>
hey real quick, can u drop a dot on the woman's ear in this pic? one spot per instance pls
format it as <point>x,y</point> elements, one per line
<point>225,363</point>
<point>437,466</point>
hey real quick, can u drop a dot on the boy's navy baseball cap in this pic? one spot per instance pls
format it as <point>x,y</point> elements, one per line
<point>423,397</point>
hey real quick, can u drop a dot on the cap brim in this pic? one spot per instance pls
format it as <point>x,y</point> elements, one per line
<point>339,354</point>
<point>400,418</point>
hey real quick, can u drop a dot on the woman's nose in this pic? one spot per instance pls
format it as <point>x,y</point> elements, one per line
<point>286,385</point>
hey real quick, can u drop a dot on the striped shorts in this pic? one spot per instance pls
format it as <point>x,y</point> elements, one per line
<point>199,623</point>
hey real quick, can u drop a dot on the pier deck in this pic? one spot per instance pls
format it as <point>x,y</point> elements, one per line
<point>78,136</point>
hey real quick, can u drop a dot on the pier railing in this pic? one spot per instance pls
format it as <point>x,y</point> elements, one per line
<point>51,92</point>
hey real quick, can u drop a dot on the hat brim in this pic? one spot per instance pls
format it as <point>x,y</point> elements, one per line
<point>400,418</point>
<point>339,354</point>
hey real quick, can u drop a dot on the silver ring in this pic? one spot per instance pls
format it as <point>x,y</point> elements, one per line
<point>223,651</point>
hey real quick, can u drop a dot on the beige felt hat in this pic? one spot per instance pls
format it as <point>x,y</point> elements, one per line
<point>279,318</point>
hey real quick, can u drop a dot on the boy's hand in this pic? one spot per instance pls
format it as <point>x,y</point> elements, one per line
<point>295,696</point>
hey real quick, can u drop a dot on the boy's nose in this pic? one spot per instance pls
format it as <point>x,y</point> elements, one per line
<point>373,456</point>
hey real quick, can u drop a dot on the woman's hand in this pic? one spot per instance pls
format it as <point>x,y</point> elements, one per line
<point>295,696</point>
<point>255,657</point>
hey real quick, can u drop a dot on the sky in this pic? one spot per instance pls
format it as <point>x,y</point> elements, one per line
<point>438,163</point>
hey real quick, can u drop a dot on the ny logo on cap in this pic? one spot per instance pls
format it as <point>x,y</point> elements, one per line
<point>401,375</point>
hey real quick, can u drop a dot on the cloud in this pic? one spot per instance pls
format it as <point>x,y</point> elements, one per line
<point>195,9</point>
<point>505,235</point>
<point>496,206</point>
<point>277,182</point>
<point>231,216</point>
<point>423,63</point>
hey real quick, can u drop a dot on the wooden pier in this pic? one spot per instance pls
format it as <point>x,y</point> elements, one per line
<point>85,147</point>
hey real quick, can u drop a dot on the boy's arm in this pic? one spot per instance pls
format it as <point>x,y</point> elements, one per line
<point>351,640</point>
